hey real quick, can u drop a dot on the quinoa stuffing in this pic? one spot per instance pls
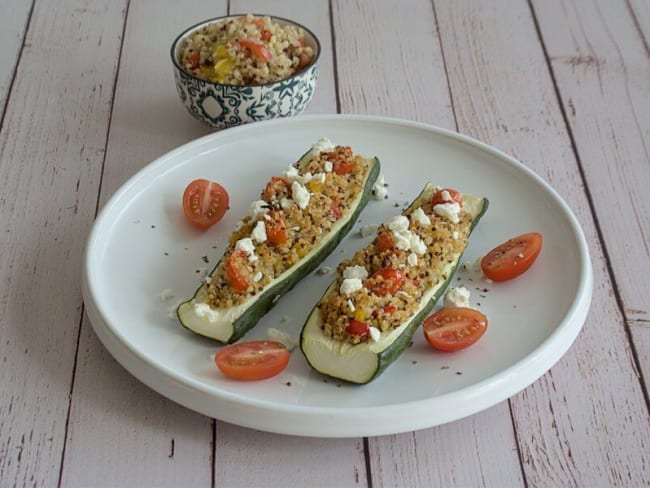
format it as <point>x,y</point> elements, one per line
<point>294,213</point>
<point>381,286</point>
<point>246,50</point>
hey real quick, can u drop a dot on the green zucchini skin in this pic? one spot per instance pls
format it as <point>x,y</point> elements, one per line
<point>264,302</point>
<point>389,354</point>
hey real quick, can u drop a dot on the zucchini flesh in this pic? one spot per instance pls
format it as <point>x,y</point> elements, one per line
<point>363,362</point>
<point>227,325</point>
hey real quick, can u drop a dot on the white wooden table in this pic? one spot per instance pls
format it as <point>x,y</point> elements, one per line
<point>87,98</point>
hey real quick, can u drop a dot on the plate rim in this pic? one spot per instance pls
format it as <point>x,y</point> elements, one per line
<point>326,421</point>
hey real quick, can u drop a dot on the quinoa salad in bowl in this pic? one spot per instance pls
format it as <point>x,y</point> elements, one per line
<point>244,68</point>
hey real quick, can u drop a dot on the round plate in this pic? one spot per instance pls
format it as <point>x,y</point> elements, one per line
<point>141,244</point>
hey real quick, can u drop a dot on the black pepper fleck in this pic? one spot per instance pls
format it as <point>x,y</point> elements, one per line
<point>205,259</point>
<point>459,373</point>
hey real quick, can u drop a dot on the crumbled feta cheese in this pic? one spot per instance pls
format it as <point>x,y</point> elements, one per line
<point>401,241</point>
<point>350,285</point>
<point>291,173</point>
<point>258,276</point>
<point>474,265</point>
<point>368,230</point>
<point>300,195</point>
<point>258,208</point>
<point>412,259</point>
<point>375,333</point>
<point>358,272</point>
<point>457,297</point>
<point>322,145</point>
<point>328,166</point>
<point>399,223</point>
<point>320,177</point>
<point>246,245</point>
<point>403,294</point>
<point>295,229</point>
<point>166,294</point>
<point>351,305</point>
<point>282,337</point>
<point>266,217</point>
<point>420,218</point>
<point>417,244</point>
<point>259,232</point>
<point>455,234</point>
<point>207,280</point>
<point>379,190</point>
<point>450,211</point>
<point>446,197</point>
<point>488,281</point>
<point>203,310</point>
<point>285,203</point>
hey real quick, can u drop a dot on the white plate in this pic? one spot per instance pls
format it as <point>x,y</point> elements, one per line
<point>533,319</point>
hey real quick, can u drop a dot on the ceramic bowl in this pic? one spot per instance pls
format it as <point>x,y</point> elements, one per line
<point>221,106</point>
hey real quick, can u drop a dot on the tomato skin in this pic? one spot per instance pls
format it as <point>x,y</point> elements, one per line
<point>358,328</point>
<point>385,241</point>
<point>265,35</point>
<point>343,167</point>
<point>205,203</point>
<point>235,265</point>
<point>260,51</point>
<point>304,60</point>
<point>455,195</point>
<point>513,257</point>
<point>252,360</point>
<point>385,281</point>
<point>276,228</point>
<point>453,329</point>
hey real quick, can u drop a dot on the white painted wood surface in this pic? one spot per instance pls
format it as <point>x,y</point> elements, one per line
<point>73,131</point>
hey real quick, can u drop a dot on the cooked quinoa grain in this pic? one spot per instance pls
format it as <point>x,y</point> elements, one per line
<point>246,50</point>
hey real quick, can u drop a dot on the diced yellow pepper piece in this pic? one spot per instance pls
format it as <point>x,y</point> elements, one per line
<point>360,314</point>
<point>224,66</point>
<point>315,186</point>
<point>221,51</point>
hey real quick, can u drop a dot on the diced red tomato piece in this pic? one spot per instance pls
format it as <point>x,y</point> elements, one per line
<point>276,227</point>
<point>358,328</point>
<point>454,195</point>
<point>237,272</point>
<point>385,282</point>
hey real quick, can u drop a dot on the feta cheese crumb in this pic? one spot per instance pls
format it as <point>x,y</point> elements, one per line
<point>488,281</point>
<point>291,173</point>
<point>446,197</point>
<point>350,285</point>
<point>358,272</point>
<point>368,230</point>
<point>401,241</point>
<point>412,259</point>
<point>286,203</point>
<point>449,211</point>
<point>328,166</point>
<point>166,294</point>
<point>282,337</point>
<point>259,232</point>
<point>258,208</point>
<point>207,280</point>
<point>420,218</point>
<point>399,223</point>
<point>321,145</point>
<point>203,310</point>
<point>258,276</point>
<point>300,195</point>
<point>246,245</point>
<point>375,333</point>
<point>474,265</point>
<point>351,305</point>
<point>417,244</point>
<point>379,190</point>
<point>455,234</point>
<point>457,297</point>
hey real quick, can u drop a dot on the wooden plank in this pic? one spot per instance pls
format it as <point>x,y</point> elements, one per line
<point>129,434</point>
<point>585,423</point>
<point>382,60</point>
<point>51,152</point>
<point>13,25</point>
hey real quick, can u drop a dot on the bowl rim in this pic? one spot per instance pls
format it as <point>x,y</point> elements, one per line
<point>184,33</point>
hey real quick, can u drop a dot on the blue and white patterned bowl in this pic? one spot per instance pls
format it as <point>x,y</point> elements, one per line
<point>222,106</point>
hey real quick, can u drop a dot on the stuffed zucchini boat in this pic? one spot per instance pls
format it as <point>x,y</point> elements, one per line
<point>368,315</point>
<point>299,219</point>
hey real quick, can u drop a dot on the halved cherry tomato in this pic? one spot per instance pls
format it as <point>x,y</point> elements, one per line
<point>193,60</point>
<point>236,271</point>
<point>276,187</point>
<point>342,167</point>
<point>385,281</point>
<point>513,257</point>
<point>304,60</point>
<point>265,35</point>
<point>205,203</point>
<point>276,227</point>
<point>253,360</point>
<point>358,328</point>
<point>455,196</point>
<point>385,241</point>
<point>257,48</point>
<point>390,309</point>
<point>453,329</point>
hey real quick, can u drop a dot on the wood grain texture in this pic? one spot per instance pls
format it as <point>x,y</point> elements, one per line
<point>437,456</point>
<point>129,434</point>
<point>598,55</point>
<point>51,151</point>
<point>585,423</point>
<point>281,461</point>
<point>13,25</point>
